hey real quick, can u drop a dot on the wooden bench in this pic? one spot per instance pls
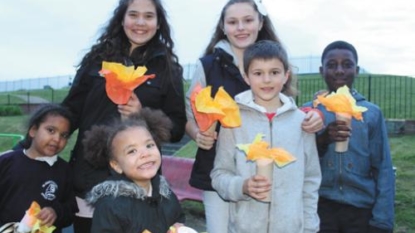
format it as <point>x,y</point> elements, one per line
<point>177,171</point>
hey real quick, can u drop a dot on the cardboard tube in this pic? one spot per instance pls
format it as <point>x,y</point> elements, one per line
<point>344,145</point>
<point>212,128</point>
<point>265,167</point>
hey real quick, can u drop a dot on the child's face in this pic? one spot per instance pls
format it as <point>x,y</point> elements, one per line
<point>241,25</point>
<point>339,68</point>
<point>140,22</point>
<point>50,137</point>
<point>267,78</point>
<point>136,155</point>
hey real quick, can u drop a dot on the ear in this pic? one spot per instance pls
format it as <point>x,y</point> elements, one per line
<point>261,24</point>
<point>246,79</point>
<point>287,76</point>
<point>32,131</point>
<point>321,70</point>
<point>357,69</point>
<point>114,165</point>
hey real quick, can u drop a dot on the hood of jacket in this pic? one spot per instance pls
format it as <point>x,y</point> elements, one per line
<point>226,46</point>
<point>246,101</point>
<point>126,188</point>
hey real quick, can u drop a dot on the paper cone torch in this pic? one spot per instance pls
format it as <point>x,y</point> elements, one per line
<point>264,157</point>
<point>120,80</point>
<point>208,110</point>
<point>344,106</point>
<point>30,223</point>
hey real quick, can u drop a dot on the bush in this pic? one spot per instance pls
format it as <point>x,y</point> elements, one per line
<point>10,110</point>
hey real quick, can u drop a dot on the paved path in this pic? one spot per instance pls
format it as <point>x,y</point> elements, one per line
<point>32,99</point>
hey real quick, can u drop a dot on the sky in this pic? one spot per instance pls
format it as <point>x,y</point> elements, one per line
<point>45,38</point>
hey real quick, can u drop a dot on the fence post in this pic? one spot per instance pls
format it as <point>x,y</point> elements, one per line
<point>369,87</point>
<point>28,101</point>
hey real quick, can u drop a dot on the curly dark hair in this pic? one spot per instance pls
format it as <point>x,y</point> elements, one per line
<point>98,140</point>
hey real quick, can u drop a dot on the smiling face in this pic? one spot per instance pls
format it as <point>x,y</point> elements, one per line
<point>140,22</point>
<point>50,137</point>
<point>136,155</point>
<point>241,25</point>
<point>339,68</point>
<point>267,78</point>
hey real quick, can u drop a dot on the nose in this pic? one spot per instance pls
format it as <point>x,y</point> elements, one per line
<point>339,69</point>
<point>144,153</point>
<point>241,26</point>
<point>140,21</point>
<point>266,78</point>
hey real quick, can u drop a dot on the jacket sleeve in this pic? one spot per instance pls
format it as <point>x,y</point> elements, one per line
<point>383,209</point>
<point>66,207</point>
<point>197,78</point>
<point>174,106</point>
<point>224,174</point>
<point>75,99</point>
<point>312,180</point>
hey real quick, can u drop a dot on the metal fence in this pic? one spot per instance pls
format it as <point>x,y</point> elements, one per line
<point>395,95</point>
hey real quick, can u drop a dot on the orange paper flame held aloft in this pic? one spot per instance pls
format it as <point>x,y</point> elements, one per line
<point>342,101</point>
<point>259,149</point>
<point>32,223</point>
<point>122,80</point>
<point>208,110</point>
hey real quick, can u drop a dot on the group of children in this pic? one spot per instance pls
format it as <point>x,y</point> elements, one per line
<point>321,191</point>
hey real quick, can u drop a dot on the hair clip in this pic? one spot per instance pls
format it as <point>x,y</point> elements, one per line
<point>260,7</point>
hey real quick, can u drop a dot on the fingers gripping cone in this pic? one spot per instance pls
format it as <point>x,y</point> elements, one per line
<point>343,146</point>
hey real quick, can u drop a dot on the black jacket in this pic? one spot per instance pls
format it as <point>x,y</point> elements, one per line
<point>89,103</point>
<point>122,206</point>
<point>219,71</point>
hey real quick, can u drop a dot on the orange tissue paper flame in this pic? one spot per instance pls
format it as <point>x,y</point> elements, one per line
<point>30,220</point>
<point>208,110</point>
<point>342,101</point>
<point>122,80</point>
<point>259,149</point>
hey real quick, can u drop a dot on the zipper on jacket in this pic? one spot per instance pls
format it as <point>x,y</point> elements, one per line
<point>340,173</point>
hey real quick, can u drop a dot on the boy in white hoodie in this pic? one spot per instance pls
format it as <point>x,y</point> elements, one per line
<point>264,109</point>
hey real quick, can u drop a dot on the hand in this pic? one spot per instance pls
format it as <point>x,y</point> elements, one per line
<point>47,216</point>
<point>257,187</point>
<point>132,106</point>
<point>338,131</point>
<point>312,122</point>
<point>205,140</point>
<point>173,229</point>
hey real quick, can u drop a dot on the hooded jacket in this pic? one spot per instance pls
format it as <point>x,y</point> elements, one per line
<point>293,207</point>
<point>122,206</point>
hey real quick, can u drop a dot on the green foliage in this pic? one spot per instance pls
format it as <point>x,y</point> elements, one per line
<point>10,110</point>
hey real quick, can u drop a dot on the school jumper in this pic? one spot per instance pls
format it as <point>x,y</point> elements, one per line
<point>24,180</point>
